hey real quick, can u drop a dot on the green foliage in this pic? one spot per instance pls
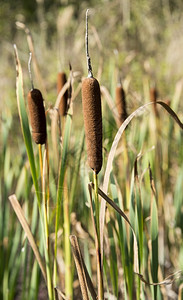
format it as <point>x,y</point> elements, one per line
<point>142,35</point>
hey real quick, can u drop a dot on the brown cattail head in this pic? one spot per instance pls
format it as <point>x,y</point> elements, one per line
<point>37,116</point>
<point>153,98</point>
<point>61,80</point>
<point>121,104</point>
<point>92,122</point>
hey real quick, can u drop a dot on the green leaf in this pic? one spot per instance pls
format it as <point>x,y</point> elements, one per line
<point>25,124</point>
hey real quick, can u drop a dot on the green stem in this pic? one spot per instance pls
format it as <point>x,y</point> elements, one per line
<point>68,273</point>
<point>46,229</point>
<point>58,212</point>
<point>99,265</point>
<point>48,179</point>
<point>96,205</point>
<point>41,162</point>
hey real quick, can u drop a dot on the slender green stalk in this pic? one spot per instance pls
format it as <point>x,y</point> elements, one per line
<point>68,273</point>
<point>127,173</point>
<point>48,179</point>
<point>95,179</point>
<point>62,169</point>
<point>46,229</point>
<point>99,265</point>
<point>41,162</point>
<point>58,213</point>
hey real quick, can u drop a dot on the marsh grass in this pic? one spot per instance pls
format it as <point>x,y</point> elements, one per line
<point>134,249</point>
<point>140,199</point>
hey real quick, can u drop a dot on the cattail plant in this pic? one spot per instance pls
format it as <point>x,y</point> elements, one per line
<point>61,80</point>
<point>91,101</point>
<point>121,103</point>
<point>92,113</point>
<point>39,135</point>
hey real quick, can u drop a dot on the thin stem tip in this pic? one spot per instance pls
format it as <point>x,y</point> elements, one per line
<point>29,68</point>
<point>90,74</point>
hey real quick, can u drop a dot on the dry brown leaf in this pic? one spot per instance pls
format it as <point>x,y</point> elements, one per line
<point>20,214</point>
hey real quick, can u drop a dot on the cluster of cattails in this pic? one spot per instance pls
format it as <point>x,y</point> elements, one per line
<point>92,112</point>
<point>121,104</point>
<point>37,116</point>
<point>63,105</point>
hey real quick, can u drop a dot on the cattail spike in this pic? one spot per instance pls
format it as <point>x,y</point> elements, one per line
<point>153,98</point>
<point>92,122</point>
<point>61,80</point>
<point>121,103</point>
<point>37,116</point>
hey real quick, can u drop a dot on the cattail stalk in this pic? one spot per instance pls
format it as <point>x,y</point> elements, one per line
<point>48,179</point>
<point>38,123</point>
<point>46,228</point>
<point>91,100</point>
<point>99,264</point>
<point>95,180</point>
<point>41,163</point>
<point>67,246</point>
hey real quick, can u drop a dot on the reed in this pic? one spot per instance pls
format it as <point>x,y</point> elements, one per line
<point>92,112</point>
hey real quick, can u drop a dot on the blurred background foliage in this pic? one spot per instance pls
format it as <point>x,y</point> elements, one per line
<point>148,30</point>
<point>138,38</point>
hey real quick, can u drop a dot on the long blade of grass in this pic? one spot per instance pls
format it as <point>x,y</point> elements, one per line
<point>20,214</point>
<point>154,245</point>
<point>61,185</point>
<point>25,124</point>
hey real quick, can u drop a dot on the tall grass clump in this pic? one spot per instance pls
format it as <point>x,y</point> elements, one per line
<point>113,211</point>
